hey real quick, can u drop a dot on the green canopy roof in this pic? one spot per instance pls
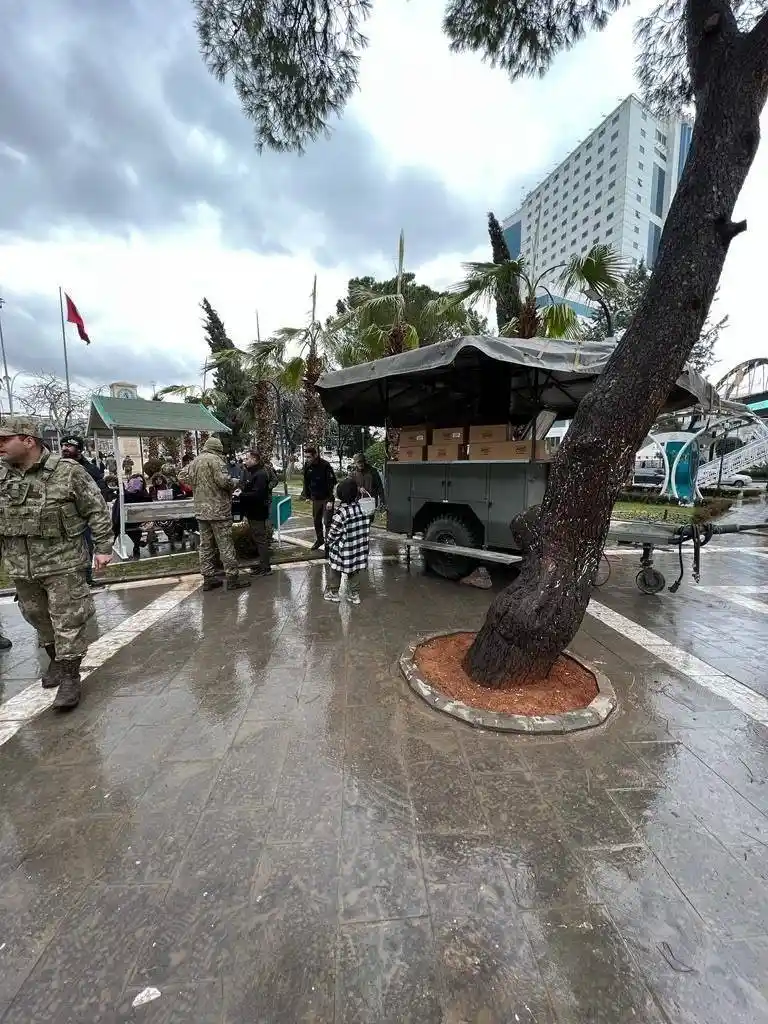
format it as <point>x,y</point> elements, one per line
<point>134,417</point>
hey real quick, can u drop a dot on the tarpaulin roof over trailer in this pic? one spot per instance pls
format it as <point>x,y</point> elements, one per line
<point>133,417</point>
<point>477,380</point>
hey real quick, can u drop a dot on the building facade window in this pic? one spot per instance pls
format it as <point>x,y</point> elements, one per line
<point>654,237</point>
<point>657,190</point>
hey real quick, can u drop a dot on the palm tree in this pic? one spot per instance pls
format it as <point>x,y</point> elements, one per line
<point>597,274</point>
<point>315,342</point>
<point>376,324</point>
<point>197,395</point>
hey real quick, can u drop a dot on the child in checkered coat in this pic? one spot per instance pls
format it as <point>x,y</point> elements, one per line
<point>346,542</point>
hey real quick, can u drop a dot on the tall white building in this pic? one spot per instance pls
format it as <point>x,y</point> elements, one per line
<point>614,188</point>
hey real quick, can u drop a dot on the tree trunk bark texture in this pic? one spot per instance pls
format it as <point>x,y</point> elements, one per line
<point>266,419</point>
<point>314,414</point>
<point>532,621</point>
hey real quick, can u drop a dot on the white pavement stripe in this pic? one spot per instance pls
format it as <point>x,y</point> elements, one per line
<point>746,602</point>
<point>740,696</point>
<point>299,542</point>
<point>708,549</point>
<point>736,588</point>
<point>34,699</point>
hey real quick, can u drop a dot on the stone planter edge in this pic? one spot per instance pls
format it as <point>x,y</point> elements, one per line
<point>595,713</point>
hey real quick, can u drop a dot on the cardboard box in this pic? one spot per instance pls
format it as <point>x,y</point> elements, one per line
<point>490,434</point>
<point>411,453</point>
<point>449,435</point>
<point>504,450</point>
<point>445,452</point>
<point>410,436</point>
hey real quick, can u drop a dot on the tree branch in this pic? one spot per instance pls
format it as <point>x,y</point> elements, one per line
<point>728,229</point>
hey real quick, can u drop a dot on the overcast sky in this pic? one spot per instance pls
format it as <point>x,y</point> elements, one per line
<point>129,177</point>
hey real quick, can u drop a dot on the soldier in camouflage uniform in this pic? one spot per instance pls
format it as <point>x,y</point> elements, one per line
<point>212,488</point>
<point>46,505</point>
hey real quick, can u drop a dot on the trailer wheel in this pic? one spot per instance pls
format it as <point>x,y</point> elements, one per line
<point>450,530</point>
<point>650,581</point>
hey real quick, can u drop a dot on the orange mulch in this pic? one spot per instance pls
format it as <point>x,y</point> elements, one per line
<point>568,685</point>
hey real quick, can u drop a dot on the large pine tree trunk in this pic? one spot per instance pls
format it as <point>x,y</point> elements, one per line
<point>530,623</point>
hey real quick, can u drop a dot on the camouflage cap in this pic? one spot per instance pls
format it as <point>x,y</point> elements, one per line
<point>21,426</point>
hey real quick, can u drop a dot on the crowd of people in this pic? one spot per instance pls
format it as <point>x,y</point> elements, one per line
<point>55,528</point>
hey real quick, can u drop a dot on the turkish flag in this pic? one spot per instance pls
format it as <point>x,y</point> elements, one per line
<point>73,317</point>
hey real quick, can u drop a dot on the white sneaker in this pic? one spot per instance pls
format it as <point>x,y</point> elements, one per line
<point>330,595</point>
<point>353,598</point>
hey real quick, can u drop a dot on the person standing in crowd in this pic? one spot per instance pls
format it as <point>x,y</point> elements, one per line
<point>72,447</point>
<point>255,504</point>
<point>368,479</point>
<point>127,465</point>
<point>135,493</point>
<point>212,488</point>
<point>46,505</point>
<point>319,481</point>
<point>111,465</point>
<point>347,542</point>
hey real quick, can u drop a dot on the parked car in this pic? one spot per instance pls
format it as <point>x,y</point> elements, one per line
<point>736,480</point>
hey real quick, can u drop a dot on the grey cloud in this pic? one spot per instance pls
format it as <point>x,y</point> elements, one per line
<point>112,100</point>
<point>32,333</point>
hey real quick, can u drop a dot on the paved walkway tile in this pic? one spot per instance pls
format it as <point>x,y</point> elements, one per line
<point>253,815</point>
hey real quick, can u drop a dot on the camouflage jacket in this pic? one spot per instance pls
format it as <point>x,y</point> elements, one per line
<point>211,484</point>
<point>44,513</point>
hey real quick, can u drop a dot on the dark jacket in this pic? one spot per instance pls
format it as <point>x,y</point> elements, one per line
<point>129,498</point>
<point>256,495</point>
<point>94,473</point>
<point>369,480</point>
<point>319,481</point>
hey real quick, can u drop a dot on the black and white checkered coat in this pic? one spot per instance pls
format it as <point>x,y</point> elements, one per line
<point>348,538</point>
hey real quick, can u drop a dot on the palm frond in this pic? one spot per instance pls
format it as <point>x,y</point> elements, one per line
<point>601,269</point>
<point>485,280</point>
<point>285,334</point>
<point>411,338</point>
<point>560,321</point>
<point>448,309</point>
<point>292,373</point>
<point>182,390</point>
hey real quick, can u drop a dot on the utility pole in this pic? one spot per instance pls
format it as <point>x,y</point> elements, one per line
<point>6,378</point>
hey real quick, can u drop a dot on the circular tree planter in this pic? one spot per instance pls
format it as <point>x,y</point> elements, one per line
<point>594,713</point>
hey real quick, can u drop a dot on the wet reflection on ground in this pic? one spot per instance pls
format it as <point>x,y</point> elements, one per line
<point>252,813</point>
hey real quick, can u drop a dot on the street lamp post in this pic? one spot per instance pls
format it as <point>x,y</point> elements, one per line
<point>595,296</point>
<point>6,378</point>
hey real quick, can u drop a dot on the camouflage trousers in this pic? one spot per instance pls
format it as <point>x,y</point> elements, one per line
<point>216,534</point>
<point>59,608</point>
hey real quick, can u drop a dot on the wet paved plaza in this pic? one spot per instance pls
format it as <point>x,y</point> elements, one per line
<point>253,815</point>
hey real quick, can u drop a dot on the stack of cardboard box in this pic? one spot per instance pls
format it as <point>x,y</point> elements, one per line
<point>449,444</point>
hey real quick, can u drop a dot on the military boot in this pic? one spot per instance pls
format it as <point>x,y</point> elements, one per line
<point>52,675</point>
<point>212,584</point>
<point>237,583</point>
<point>68,696</point>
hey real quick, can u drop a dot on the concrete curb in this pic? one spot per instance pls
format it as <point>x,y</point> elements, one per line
<point>595,713</point>
<point>176,575</point>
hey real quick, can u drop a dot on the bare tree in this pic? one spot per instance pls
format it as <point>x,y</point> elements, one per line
<point>46,396</point>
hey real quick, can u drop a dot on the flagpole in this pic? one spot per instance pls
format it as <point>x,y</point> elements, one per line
<point>66,361</point>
